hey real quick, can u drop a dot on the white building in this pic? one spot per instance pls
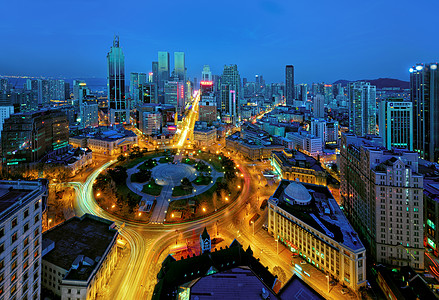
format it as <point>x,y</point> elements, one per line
<point>79,257</point>
<point>319,106</point>
<point>362,108</point>
<point>308,221</point>
<point>89,116</point>
<point>204,136</point>
<point>5,112</point>
<point>308,143</point>
<point>396,124</point>
<point>152,122</point>
<point>327,131</point>
<point>20,238</point>
<point>382,194</point>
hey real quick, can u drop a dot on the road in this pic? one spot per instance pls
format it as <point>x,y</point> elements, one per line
<point>149,244</point>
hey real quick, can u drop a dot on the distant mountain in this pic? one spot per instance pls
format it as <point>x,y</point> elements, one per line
<point>380,83</point>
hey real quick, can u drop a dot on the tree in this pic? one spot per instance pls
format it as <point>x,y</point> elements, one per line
<point>121,158</point>
<point>186,184</point>
<point>280,274</point>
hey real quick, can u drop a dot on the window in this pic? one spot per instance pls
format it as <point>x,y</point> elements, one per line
<point>37,204</point>
<point>2,232</point>
<point>26,241</point>
<point>14,253</point>
<point>25,227</point>
<point>37,218</point>
<point>36,232</point>
<point>14,223</point>
<point>13,277</point>
<point>2,263</point>
<point>14,238</point>
<point>36,243</point>
<point>25,265</point>
<point>36,254</point>
<point>14,265</point>
<point>13,289</point>
<point>2,247</point>
<point>26,214</point>
<point>2,276</point>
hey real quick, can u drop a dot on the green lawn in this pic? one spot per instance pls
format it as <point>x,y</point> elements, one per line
<point>202,180</point>
<point>129,163</point>
<point>165,160</point>
<point>178,191</point>
<point>152,188</point>
<point>188,161</point>
<point>141,176</point>
<point>148,165</point>
<point>123,190</point>
<point>211,159</point>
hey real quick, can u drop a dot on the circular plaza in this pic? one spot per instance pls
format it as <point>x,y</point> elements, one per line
<point>172,174</point>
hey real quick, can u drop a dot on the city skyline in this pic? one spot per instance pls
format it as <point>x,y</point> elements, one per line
<point>350,47</point>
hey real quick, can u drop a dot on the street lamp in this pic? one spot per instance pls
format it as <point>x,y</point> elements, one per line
<point>253,223</point>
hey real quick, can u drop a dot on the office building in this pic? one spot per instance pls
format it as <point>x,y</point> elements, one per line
<point>207,110</point>
<point>36,85</point>
<point>424,95</point>
<point>155,72</point>
<point>294,165</point>
<point>179,66</point>
<point>136,80</point>
<point>305,142</point>
<point>204,136</point>
<point>381,193</point>
<point>22,204</point>
<point>396,124</point>
<point>206,75</point>
<point>163,69</point>
<point>289,85</point>
<point>88,114</point>
<point>30,136</point>
<point>5,112</point>
<point>431,214</point>
<point>118,106</point>
<point>319,106</point>
<point>230,94</point>
<point>4,85</point>
<point>79,257</point>
<point>80,91</point>
<point>308,221</point>
<point>362,108</point>
<point>151,123</point>
<point>147,93</point>
<point>174,95</point>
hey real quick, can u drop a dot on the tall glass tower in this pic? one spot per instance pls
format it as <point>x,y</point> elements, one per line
<point>424,94</point>
<point>118,108</point>
<point>179,67</point>
<point>362,108</point>
<point>163,69</point>
<point>230,94</point>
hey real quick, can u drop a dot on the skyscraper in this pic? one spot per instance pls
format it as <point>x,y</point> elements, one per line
<point>362,108</point>
<point>230,93</point>
<point>118,108</point>
<point>319,106</point>
<point>424,94</point>
<point>206,75</point>
<point>396,124</point>
<point>289,84</point>
<point>155,72</point>
<point>136,79</point>
<point>179,66</point>
<point>163,69</point>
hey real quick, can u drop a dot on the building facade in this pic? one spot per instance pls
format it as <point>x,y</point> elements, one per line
<point>308,221</point>
<point>28,137</point>
<point>22,205</point>
<point>289,85</point>
<point>118,106</point>
<point>73,270</point>
<point>381,192</point>
<point>362,108</point>
<point>396,124</point>
<point>424,95</point>
<point>294,165</point>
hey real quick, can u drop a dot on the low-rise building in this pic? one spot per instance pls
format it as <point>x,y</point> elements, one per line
<point>75,159</point>
<point>21,207</point>
<point>306,218</point>
<point>250,149</point>
<point>292,165</point>
<point>204,136</point>
<point>79,256</point>
<point>207,110</point>
<point>308,143</point>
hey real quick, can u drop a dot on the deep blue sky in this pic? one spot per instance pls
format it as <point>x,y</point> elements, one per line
<point>325,40</point>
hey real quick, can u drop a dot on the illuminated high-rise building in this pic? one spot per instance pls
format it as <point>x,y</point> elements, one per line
<point>289,85</point>
<point>118,107</point>
<point>396,124</point>
<point>206,75</point>
<point>155,72</point>
<point>424,94</point>
<point>163,69</point>
<point>179,66</point>
<point>362,108</point>
<point>230,94</point>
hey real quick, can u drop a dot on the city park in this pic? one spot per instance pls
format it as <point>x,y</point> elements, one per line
<point>181,186</point>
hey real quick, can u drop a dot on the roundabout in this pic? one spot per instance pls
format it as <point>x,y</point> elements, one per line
<point>172,174</point>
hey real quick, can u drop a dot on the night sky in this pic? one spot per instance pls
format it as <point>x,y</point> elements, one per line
<point>324,40</point>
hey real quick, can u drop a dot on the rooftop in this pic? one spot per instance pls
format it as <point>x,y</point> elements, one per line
<point>296,288</point>
<point>9,197</point>
<point>175,274</point>
<point>293,158</point>
<point>322,213</point>
<point>88,236</point>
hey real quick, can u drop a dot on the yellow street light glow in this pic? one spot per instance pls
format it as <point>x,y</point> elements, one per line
<point>140,214</point>
<point>239,186</point>
<point>172,215</point>
<point>113,206</point>
<point>227,199</point>
<point>204,209</point>
<point>50,220</point>
<point>98,194</point>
